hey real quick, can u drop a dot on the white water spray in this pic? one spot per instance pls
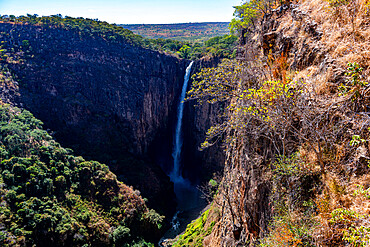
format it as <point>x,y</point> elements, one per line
<point>176,153</point>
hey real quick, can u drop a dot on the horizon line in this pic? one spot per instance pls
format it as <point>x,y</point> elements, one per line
<point>113,23</point>
<point>196,22</point>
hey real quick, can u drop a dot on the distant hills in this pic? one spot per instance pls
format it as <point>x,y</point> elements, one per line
<point>199,31</point>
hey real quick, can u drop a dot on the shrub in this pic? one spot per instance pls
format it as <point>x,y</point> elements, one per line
<point>121,235</point>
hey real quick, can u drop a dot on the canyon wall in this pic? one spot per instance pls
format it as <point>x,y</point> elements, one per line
<point>109,101</point>
<point>244,205</point>
<point>201,165</point>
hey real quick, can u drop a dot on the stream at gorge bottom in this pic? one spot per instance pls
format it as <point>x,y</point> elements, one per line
<point>190,205</point>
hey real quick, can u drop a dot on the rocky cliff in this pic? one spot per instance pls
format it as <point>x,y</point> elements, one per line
<point>297,164</point>
<point>247,199</point>
<point>107,100</point>
<point>199,166</point>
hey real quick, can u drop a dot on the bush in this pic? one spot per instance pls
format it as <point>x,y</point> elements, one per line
<point>120,235</point>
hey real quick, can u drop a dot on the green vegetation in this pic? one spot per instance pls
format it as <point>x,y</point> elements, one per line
<point>87,27</point>
<point>93,28</point>
<point>337,3</point>
<point>222,46</point>
<point>356,140</point>
<point>247,14</point>
<point>293,224</point>
<point>353,226</point>
<point>355,85</point>
<point>48,196</point>
<point>361,191</point>
<point>219,46</point>
<point>196,231</point>
<point>185,32</point>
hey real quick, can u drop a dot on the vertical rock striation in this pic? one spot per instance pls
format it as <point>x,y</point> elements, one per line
<point>244,199</point>
<point>107,100</point>
<point>200,165</point>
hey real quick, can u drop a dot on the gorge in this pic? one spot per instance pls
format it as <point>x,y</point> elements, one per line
<point>283,122</point>
<point>110,101</point>
<point>189,202</point>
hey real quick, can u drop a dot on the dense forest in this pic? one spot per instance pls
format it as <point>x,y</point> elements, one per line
<point>51,197</point>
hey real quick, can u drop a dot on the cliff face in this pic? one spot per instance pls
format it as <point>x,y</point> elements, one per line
<point>294,172</point>
<point>200,165</point>
<point>245,203</point>
<point>107,100</point>
<point>246,195</point>
<point>83,80</point>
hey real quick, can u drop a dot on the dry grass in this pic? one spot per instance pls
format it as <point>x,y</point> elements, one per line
<point>346,38</point>
<point>339,193</point>
<point>345,41</point>
<point>323,82</point>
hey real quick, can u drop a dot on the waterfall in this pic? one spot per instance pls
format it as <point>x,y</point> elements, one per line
<point>189,202</point>
<point>176,153</point>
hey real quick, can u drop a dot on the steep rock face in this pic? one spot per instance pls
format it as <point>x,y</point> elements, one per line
<point>107,100</point>
<point>244,198</point>
<point>243,203</point>
<point>200,165</point>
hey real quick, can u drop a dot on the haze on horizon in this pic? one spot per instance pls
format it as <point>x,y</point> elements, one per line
<point>127,11</point>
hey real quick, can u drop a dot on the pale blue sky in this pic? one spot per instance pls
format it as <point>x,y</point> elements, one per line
<point>127,11</point>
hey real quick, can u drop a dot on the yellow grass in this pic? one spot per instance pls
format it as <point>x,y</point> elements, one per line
<point>343,43</point>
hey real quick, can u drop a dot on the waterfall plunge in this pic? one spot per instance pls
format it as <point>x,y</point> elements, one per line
<point>189,201</point>
<point>177,145</point>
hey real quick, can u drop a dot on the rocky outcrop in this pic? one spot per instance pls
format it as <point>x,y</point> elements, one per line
<point>244,203</point>
<point>107,100</point>
<point>277,39</point>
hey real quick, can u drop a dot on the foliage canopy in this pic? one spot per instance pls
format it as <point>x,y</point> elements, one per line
<point>50,196</point>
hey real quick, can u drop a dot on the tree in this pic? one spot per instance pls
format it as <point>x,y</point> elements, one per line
<point>184,51</point>
<point>248,13</point>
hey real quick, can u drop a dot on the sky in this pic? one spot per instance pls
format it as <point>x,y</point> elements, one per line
<point>127,11</point>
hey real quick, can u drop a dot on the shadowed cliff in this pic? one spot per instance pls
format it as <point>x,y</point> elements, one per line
<point>107,100</point>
